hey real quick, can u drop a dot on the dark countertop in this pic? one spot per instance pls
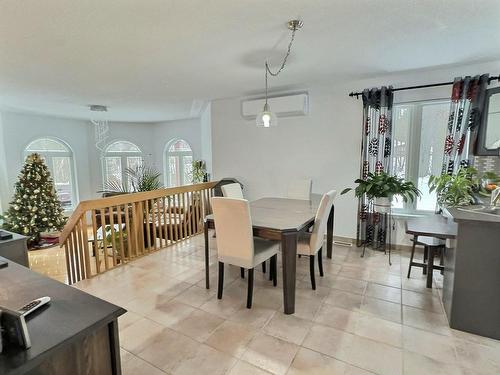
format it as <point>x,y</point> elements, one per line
<point>458,214</point>
<point>71,315</point>
<point>15,237</point>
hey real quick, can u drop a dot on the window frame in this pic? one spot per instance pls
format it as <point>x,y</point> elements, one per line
<point>49,156</point>
<point>123,155</point>
<point>180,154</point>
<point>413,155</point>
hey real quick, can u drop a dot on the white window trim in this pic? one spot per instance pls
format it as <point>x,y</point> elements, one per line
<point>123,160</point>
<point>180,154</point>
<point>48,155</point>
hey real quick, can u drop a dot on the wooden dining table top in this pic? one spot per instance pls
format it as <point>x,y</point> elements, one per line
<point>282,214</point>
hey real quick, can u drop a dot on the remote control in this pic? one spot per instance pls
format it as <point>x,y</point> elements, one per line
<point>33,305</point>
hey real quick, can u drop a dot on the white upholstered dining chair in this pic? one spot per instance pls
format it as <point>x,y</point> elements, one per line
<point>236,244</point>
<point>311,243</point>
<point>300,189</point>
<point>232,191</point>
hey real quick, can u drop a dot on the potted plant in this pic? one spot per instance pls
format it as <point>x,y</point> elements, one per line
<point>141,178</point>
<point>381,189</point>
<point>456,190</point>
<point>199,171</point>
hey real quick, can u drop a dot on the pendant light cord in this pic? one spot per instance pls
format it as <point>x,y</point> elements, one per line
<point>268,70</point>
<point>283,63</point>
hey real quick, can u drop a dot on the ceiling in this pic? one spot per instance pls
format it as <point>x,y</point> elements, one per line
<point>154,60</point>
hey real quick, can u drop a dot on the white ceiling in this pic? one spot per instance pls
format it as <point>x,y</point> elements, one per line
<point>153,60</point>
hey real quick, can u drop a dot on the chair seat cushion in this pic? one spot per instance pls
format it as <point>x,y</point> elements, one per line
<point>263,250</point>
<point>429,241</point>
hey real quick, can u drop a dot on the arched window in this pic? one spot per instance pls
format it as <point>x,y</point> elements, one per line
<point>119,156</point>
<point>59,159</point>
<point>178,162</point>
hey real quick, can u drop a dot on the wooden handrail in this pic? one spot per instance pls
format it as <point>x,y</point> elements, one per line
<point>116,200</point>
<point>105,233</point>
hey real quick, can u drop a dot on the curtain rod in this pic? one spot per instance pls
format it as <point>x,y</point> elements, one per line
<point>357,94</point>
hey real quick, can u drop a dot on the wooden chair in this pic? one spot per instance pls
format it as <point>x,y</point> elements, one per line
<point>432,246</point>
<point>311,244</point>
<point>236,244</point>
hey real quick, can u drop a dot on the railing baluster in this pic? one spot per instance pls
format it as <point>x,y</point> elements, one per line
<point>75,255</point>
<point>153,222</point>
<point>187,215</point>
<point>135,228</point>
<point>142,223</point>
<point>104,239</point>
<point>177,218</point>
<point>68,263</point>
<point>86,255</point>
<point>148,224</point>
<point>80,249</point>
<point>112,229</point>
<point>171,228</point>
<point>197,206</point>
<point>128,231</point>
<point>164,201</point>
<point>96,242</point>
<point>120,233</point>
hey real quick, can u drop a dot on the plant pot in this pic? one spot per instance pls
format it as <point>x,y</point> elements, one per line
<point>382,205</point>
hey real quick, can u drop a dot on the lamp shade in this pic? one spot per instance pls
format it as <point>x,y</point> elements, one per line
<point>266,118</point>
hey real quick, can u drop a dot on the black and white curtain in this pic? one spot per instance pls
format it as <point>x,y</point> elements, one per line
<point>376,147</point>
<point>467,102</point>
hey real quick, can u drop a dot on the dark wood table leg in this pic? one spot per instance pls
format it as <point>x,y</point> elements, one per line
<point>114,343</point>
<point>329,233</point>
<point>289,257</point>
<point>207,256</point>
<point>430,265</point>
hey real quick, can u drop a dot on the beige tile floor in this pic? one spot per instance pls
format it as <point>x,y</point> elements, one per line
<point>365,317</point>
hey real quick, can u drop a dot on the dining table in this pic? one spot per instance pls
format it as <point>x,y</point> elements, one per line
<point>280,219</point>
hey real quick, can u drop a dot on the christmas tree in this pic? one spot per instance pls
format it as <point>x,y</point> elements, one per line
<point>35,207</point>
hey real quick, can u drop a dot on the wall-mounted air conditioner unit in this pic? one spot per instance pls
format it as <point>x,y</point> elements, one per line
<point>282,106</point>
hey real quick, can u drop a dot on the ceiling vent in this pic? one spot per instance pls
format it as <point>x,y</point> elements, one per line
<point>284,106</point>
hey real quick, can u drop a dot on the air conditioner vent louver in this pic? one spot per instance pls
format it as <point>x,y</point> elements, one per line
<point>282,106</point>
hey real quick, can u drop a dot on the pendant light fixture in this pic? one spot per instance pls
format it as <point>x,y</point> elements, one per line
<point>101,126</point>
<point>267,118</point>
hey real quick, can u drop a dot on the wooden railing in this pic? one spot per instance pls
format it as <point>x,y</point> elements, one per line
<point>102,234</point>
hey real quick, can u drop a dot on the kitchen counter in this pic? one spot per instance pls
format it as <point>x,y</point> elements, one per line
<point>467,213</point>
<point>471,284</point>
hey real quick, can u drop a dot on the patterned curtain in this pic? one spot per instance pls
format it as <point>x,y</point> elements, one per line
<point>467,102</point>
<point>376,147</point>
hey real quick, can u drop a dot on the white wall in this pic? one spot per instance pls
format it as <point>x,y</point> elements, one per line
<point>325,145</point>
<point>206,137</point>
<point>4,185</point>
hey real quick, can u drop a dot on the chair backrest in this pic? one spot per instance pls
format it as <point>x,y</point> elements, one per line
<point>232,191</point>
<point>321,220</point>
<point>300,189</point>
<point>233,226</point>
